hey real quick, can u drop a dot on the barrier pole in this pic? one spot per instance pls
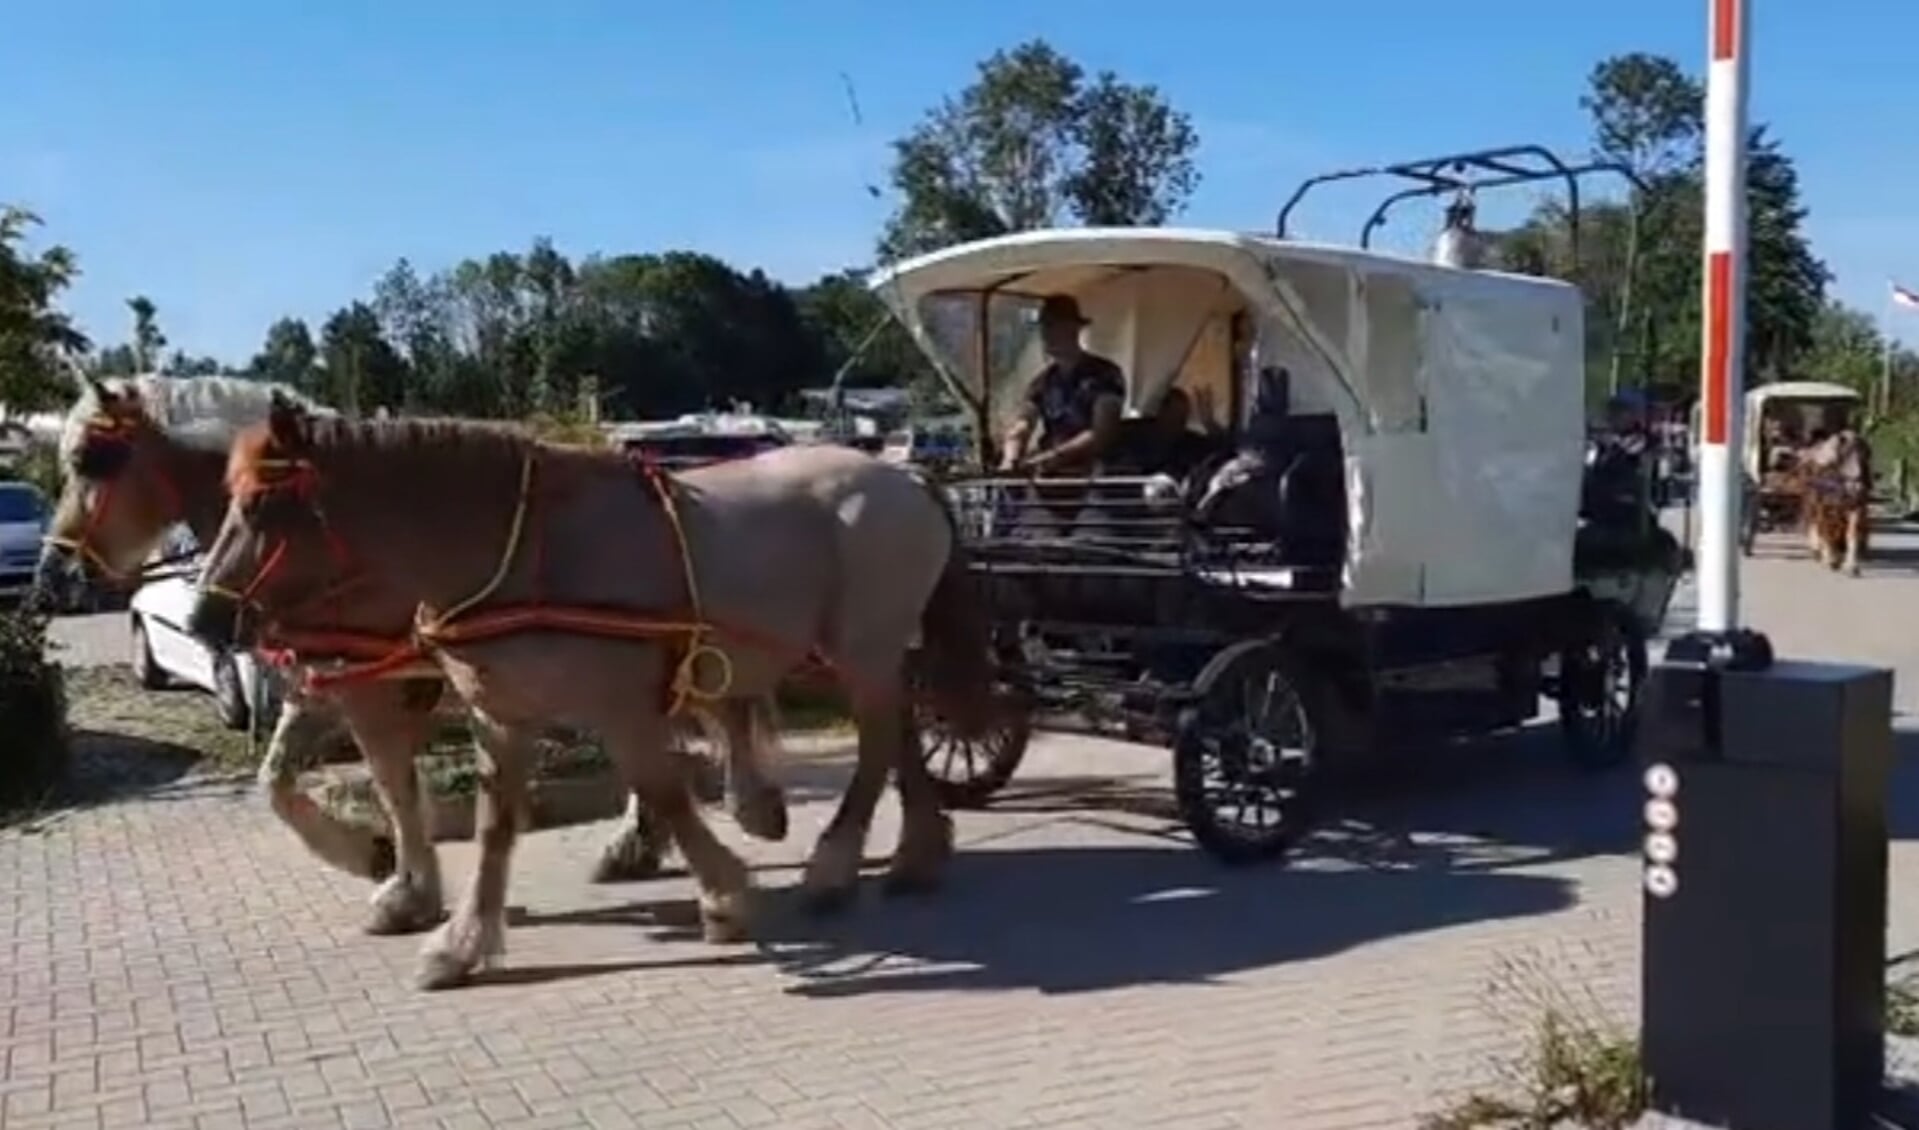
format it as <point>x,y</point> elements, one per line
<point>1722,356</point>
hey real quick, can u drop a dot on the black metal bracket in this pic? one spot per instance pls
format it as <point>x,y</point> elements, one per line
<point>1503,167</point>
<point>1740,649</point>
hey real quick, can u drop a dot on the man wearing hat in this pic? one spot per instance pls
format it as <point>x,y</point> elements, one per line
<point>1074,403</point>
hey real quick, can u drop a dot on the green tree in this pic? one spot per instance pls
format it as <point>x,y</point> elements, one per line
<point>1031,143</point>
<point>37,338</point>
<point>856,333</point>
<point>361,369</point>
<point>1648,113</point>
<point>148,341</point>
<point>417,316</point>
<point>180,364</point>
<point>288,356</point>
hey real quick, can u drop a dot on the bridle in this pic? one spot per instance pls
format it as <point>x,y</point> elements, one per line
<point>288,488</point>
<point>106,450</point>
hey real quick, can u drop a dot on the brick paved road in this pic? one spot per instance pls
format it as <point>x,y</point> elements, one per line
<point>174,960</point>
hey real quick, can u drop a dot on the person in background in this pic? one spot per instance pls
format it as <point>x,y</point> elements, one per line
<point>1074,404</point>
<point>1171,447</point>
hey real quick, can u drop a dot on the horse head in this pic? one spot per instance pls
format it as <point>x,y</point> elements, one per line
<point>119,497</point>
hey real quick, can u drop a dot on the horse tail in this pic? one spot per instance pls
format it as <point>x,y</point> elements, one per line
<point>956,665</point>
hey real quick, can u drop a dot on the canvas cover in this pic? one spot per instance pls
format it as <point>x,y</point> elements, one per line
<point>1460,394</point>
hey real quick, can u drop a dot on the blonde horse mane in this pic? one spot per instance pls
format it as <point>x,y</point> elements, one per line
<point>204,413</point>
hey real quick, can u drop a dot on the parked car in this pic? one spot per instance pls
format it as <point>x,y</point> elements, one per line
<point>23,522</point>
<point>165,654</point>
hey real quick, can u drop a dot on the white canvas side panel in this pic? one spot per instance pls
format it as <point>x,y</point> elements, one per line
<point>1505,392</point>
<point>1389,509</point>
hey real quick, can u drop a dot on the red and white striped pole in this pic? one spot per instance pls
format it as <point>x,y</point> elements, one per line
<point>1722,376</point>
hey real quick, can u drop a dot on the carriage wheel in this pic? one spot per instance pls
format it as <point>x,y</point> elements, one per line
<point>968,771</point>
<point>1600,680</point>
<point>1243,761</point>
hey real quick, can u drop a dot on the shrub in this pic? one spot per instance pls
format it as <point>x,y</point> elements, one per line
<point>33,712</point>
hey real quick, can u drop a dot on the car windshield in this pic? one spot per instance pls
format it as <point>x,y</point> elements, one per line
<point>21,504</point>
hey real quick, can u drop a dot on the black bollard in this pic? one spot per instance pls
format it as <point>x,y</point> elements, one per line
<point>1765,887</point>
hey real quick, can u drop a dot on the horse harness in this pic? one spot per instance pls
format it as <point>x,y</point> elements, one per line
<point>466,622</point>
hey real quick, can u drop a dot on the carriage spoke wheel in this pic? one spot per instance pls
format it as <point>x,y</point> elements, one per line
<point>1243,762</point>
<point>969,770</point>
<point>1599,702</point>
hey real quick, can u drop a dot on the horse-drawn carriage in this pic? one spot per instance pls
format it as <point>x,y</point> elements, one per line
<point>1386,543</point>
<point>1783,421</point>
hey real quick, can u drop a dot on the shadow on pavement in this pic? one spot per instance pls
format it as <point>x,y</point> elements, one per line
<point>108,767</point>
<point>1062,920</point>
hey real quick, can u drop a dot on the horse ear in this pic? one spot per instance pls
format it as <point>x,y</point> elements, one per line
<point>286,421</point>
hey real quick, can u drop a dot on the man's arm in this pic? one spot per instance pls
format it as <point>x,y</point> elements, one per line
<point>1019,437</point>
<point>1090,444</point>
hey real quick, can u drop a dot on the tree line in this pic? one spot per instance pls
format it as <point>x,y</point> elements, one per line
<point>1032,141</point>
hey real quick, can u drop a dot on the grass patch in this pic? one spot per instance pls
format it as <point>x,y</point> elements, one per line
<point>106,702</point>
<point>1579,1068</point>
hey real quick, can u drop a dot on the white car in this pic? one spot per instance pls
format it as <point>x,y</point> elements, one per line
<point>166,654</point>
<point>23,522</point>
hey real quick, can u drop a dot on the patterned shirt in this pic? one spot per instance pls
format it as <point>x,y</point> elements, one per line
<point>1063,398</point>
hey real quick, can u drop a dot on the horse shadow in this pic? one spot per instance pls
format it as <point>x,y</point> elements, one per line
<point>1061,920</point>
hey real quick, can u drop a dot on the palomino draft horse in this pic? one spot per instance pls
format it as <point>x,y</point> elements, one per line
<point>571,586</point>
<point>1835,488</point>
<point>143,454</point>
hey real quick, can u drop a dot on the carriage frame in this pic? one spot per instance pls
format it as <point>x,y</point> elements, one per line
<point>1434,580</point>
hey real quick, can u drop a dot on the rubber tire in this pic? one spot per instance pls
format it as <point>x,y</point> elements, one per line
<point>146,671</point>
<point>1189,764</point>
<point>1586,749</point>
<point>229,697</point>
<point>1009,740</point>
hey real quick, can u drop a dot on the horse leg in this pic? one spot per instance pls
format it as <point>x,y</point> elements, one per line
<point>476,934</point>
<point>751,731</point>
<point>659,778</point>
<point>1855,537</point>
<point>833,871</point>
<point>926,832</point>
<point>636,849</point>
<point>347,847</point>
<point>391,730</point>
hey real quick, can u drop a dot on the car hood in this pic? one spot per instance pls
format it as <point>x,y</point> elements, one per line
<point>19,543</point>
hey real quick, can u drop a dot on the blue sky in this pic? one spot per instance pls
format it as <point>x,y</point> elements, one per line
<point>241,161</point>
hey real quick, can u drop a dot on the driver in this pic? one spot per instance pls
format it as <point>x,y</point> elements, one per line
<point>1074,402</point>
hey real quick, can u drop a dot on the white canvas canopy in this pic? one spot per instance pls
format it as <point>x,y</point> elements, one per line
<point>1779,394</point>
<point>1459,394</point>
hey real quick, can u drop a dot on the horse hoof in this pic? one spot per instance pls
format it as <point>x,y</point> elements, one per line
<point>400,907</point>
<point>385,859</point>
<point>762,815</point>
<point>723,919</point>
<point>628,859</point>
<point>438,971</point>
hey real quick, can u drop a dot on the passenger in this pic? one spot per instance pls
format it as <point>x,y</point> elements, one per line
<point>1075,402</point>
<point>1171,447</point>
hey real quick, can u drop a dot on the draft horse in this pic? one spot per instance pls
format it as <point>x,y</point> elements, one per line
<point>141,455</point>
<point>1835,488</point>
<point>572,586</point>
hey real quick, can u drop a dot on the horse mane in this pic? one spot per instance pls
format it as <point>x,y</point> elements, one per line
<point>397,442</point>
<point>203,413</point>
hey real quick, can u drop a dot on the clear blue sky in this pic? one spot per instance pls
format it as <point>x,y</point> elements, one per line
<point>241,161</point>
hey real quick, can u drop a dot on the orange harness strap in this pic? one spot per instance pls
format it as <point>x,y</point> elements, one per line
<point>461,624</point>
